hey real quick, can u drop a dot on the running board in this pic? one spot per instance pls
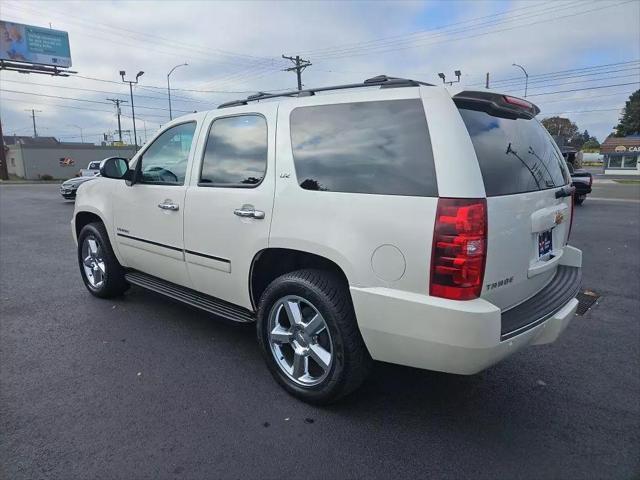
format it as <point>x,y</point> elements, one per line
<point>190,297</point>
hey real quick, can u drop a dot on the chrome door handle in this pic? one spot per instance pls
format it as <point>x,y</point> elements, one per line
<point>247,211</point>
<point>167,205</point>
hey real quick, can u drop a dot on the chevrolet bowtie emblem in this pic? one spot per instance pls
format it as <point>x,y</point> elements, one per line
<point>559,218</point>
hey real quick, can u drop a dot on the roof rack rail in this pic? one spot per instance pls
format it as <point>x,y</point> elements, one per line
<point>381,80</point>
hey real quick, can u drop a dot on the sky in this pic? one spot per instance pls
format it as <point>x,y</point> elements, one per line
<point>582,57</point>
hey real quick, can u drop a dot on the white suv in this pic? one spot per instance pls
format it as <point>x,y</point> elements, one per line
<point>387,220</point>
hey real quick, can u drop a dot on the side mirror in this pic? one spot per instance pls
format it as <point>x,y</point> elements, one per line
<point>115,167</point>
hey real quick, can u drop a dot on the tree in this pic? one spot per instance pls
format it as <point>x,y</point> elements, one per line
<point>591,144</point>
<point>630,120</point>
<point>565,130</point>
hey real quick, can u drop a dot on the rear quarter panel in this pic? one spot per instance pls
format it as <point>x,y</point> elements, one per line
<point>348,228</point>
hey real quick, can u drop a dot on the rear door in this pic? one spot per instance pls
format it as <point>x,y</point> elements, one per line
<point>524,175</point>
<point>230,200</point>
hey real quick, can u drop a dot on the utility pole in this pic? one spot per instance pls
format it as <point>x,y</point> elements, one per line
<point>486,83</point>
<point>4,171</point>
<point>133,112</point>
<point>117,103</point>
<point>300,65</point>
<point>33,118</point>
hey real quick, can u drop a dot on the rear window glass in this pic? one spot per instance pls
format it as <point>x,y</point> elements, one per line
<point>515,156</point>
<point>365,147</point>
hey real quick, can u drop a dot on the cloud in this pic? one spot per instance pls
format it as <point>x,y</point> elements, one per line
<point>236,46</point>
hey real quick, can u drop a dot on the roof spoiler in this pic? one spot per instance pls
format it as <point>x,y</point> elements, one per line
<point>496,104</point>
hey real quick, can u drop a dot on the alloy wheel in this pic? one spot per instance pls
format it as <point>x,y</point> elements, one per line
<point>92,262</point>
<point>300,340</point>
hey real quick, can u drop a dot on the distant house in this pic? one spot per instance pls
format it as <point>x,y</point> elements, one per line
<point>621,155</point>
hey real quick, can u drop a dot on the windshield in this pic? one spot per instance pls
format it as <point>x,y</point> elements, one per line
<point>515,155</point>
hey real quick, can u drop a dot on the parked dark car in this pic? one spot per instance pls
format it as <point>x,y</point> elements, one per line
<point>582,181</point>
<point>69,188</point>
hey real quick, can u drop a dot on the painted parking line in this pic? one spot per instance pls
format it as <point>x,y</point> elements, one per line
<point>622,200</point>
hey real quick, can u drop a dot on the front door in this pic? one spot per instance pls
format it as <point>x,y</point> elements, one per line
<point>229,202</point>
<point>148,215</point>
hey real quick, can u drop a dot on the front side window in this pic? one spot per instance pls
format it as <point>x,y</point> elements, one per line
<point>380,147</point>
<point>165,161</point>
<point>236,152</point>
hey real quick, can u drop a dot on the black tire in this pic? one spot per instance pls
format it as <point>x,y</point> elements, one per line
<point>329,294</point>
<point>114,283</point>
<point>579,199</point>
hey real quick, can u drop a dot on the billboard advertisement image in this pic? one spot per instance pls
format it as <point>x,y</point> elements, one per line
<point>29,44</point>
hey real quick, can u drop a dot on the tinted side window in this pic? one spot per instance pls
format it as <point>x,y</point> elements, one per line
<point>236,152</point>
<point>515,156</point>
<point>165,161</point>
<point>366,147</point>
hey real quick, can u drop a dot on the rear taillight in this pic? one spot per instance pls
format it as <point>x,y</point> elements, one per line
<point>518,102</point>
<point>459,248</point>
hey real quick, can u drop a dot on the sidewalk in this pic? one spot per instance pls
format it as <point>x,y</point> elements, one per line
<point>30,182</point>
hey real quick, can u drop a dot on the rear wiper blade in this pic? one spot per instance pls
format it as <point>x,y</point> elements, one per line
<point>515,154</point>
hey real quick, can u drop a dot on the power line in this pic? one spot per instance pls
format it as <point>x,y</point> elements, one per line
<point>386,41</point>
<point>98,91</point>
<point>382,49</point>
<point>582,89</point>
<point>588,97</point>
<point>571,73</point>
<point>259,64</point>
<point>134,34</point>
<point>613,77</point>
<point>81,99</point>
<point>177,89</point>
<point>73,107</point>
<point>585,111</point>
<point>438,32</point>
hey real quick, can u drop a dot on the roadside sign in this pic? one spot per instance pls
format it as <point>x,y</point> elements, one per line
<point>35,45</point>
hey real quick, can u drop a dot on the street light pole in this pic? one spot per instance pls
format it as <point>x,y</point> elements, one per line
<point>79,128</point>
<point>169,86</point>
<point>526,77</point>
<point>133,111</point>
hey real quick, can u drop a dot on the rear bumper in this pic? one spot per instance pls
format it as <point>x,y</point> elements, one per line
<point>453,336</point>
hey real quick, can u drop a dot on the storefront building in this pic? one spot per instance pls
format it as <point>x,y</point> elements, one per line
<point>620,155</point>
<point>35,158</point>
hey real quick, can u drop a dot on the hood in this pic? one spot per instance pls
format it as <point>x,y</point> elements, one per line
<point>74,182</point>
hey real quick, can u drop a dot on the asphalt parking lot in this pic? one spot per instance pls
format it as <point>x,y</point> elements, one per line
<point>143,387</point>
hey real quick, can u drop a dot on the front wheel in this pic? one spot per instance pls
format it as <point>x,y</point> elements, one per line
<point>101,272</point>
<point>309,336</point>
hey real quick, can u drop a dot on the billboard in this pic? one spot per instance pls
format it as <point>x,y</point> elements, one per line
<point>29,44</point>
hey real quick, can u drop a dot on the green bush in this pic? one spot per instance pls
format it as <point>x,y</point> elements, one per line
<point>46,176</point>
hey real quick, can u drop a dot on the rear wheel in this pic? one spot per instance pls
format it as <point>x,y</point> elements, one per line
<point>309,336</point>
<point>101,272</point>
<point>579,199</point>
